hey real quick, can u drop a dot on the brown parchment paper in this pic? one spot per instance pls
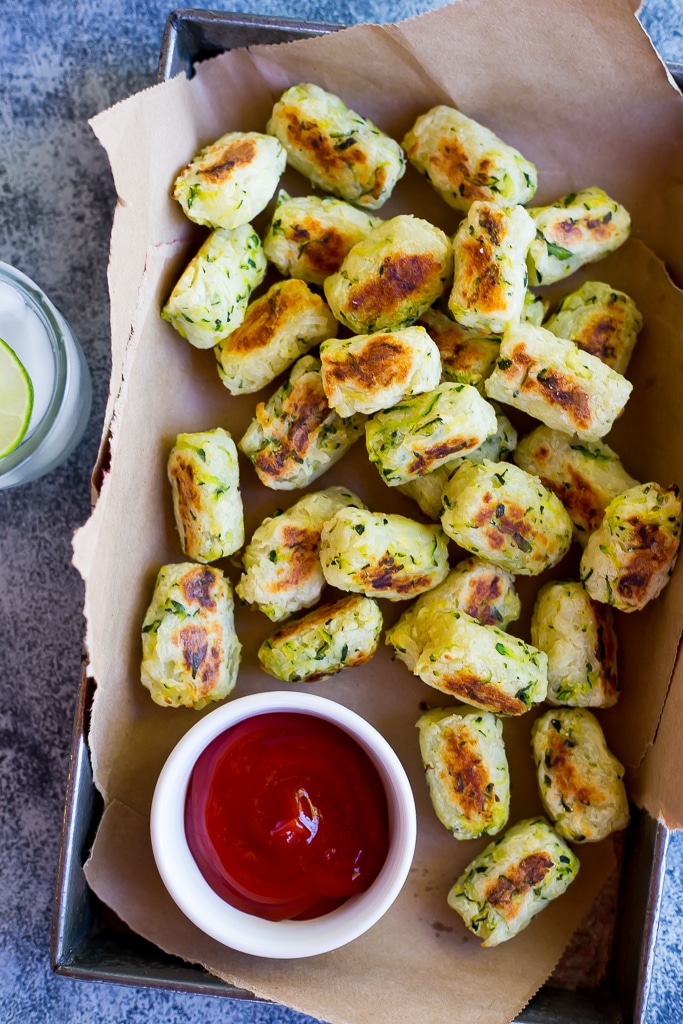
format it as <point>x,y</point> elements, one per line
<point>581,93</point>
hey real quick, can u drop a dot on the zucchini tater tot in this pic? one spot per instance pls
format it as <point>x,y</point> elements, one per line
<point>391,277</point>
<point>281,563</point>
<point>342,634</point>
<point>629,559</point>
<point>465,161</point>
<point>505,515</point>
<point>512,880</point>
<point>578,636</point>
<point>579,778</point>
<point>277,328</point>
<point>466,768</point>
<point>310,236</point>
<point>204,475</point>
<point>210,298</point>
<point>335,148</point>
<point>295,436</point>
<point>600,320</point>
<point>190,650</point>
<point>489,257</point>
<point>578,228</point>
<point>556,382</point>
<point>230,181</point>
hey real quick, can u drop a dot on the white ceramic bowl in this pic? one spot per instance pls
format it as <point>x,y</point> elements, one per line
<point>245,932</point>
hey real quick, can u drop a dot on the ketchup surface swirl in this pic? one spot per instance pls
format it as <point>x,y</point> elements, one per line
<point>286,816</point>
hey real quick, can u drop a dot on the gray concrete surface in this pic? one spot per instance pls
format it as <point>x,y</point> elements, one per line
<point>59,64</point>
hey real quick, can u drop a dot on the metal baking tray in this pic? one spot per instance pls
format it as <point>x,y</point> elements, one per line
<point>89,941</point>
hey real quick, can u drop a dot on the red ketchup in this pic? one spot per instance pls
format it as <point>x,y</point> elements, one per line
<point>286,816</point>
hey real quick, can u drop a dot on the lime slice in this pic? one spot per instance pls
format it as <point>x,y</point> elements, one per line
<point>16,400</point>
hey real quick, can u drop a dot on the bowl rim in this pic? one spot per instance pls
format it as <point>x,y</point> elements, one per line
<point>245,932</point>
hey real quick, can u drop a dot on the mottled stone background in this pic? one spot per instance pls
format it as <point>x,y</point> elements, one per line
<point>60,63</point>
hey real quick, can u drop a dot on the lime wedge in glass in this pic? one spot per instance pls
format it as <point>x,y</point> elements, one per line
<point>16,400</point>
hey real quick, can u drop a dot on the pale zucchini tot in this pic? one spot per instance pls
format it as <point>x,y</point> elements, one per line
<point>422,433</point>
<point>190,650</point>
<point>342,634</point>
<point>391,276</point>
<point>282,572</point>
<point>229,182</point>
<point>465,161</point>
<point>600,320</point>
<point>489,256</point>
<point>512,880</point>
<point>375,371</point>
<point>578,636</point>
<point>382,555</point>
<point>535,309</point>
<point>207,504</point>
<point>466,770</point>
<point>335,148</point>
<point>579,778</point>
<point>277,328</point>
<point>310,236</point>
<point>295,436</point>
<point>427,490</point>
<point>578,228</point>
<point>210,299</point>
<point>467,357</point>
<point>629,558</point>
<point>557,383</point>
<point>505,515</point>
<point>585,475</point>
<point>480,665</point>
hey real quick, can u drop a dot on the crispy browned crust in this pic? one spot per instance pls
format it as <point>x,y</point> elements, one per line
<point>479,277</point>
<point>304,411</point>
<point>384,360</point>
<point>584,502</point>
<point>452,161</point>
<point>379,182</point>
<point>326,248</point>
<point>267,316</point>
<point>554,387</point>
<point>300,550</point>
<point>650,550</point>
<point>511,521</point>
<point>607,647</point>
<point>198,586</point>
<point>237,153</point>
<point>401,279</point>
<point>465,775</point>
<point>332,157</point>
<point>424,461</point>
<point>470,687</point>
<point>602,333</point>
<point>572,230</point>
<point>528,873</point>
<point>201,660</point>
<point>189,495</point>
<point>571,787</point>
<point>392,576</point>
<point>484,592</point>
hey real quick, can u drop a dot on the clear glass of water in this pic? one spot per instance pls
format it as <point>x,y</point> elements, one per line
<point>62,393</point>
